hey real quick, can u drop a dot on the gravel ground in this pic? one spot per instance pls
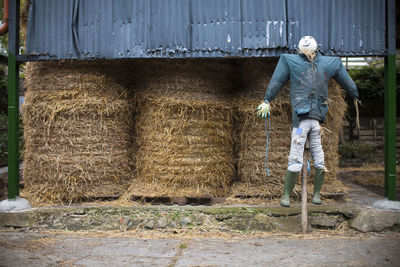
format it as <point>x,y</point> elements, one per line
<point>18,248</point>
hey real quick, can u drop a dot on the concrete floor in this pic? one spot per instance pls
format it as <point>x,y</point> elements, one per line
<point>36,249</point>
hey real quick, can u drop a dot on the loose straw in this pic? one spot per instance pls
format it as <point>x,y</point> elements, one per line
<point>356,101</point>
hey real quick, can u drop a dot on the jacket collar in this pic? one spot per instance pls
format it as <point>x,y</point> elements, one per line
<point>317,55</point>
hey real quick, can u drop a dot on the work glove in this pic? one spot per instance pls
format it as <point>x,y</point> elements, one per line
<point>263,110</point>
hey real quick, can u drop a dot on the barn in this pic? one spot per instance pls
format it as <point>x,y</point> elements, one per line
<point>152,98</point>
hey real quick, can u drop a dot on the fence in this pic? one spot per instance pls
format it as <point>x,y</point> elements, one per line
<point>371,132</point>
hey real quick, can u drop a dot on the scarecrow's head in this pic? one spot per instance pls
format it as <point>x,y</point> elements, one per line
<point>307,45</point>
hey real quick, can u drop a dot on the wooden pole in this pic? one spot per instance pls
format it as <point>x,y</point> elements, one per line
<point>304,217</point>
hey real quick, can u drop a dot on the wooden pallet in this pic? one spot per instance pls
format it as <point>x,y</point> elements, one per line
<point>163,200</point>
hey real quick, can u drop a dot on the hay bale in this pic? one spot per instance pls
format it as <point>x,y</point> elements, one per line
<point>190,79</point>
<point>251,135</point>
<point>77,124</point>
<point>184,144</point>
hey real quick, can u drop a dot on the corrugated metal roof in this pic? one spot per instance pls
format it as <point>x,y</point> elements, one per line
<point>67,29</point>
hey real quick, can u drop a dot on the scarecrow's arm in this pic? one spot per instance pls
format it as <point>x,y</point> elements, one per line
<point>278,80</point>
<point>344,80</point>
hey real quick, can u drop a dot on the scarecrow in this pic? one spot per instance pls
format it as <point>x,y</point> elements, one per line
<point>309,73</point>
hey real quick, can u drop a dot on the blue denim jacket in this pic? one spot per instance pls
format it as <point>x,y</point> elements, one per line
<point>309,84</point>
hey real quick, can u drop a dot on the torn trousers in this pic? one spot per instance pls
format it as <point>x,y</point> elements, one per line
<point>299,137</point>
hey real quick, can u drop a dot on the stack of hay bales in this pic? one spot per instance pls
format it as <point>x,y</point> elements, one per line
<point>184,128</point>
<point>251,135</point>
<point>87,135</point>
<point>77,127</point>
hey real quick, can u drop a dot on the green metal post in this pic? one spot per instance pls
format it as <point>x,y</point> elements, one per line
<point>13,142</point>
<point>13,100</point>
<point>390,104</point>
<point>390,127</point>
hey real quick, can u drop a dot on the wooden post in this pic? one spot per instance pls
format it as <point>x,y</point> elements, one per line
<point>304,216</point>
<point>341,135</point>
<point>374,128</point>
<point>358,127</point>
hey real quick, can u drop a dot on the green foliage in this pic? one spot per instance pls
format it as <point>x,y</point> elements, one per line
<point>370,81</point>
<point>3,90</point>
<point>357,151</point>
<point>24,5</point>
<point>3,139</point>
<point>3,116</point>
<point>182,246</point>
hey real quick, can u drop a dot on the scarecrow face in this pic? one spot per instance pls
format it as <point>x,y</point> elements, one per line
<point>307,44</point>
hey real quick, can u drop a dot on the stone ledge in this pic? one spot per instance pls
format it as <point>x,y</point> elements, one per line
<point>244,218</point>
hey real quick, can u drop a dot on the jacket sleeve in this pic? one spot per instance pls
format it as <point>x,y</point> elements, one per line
<point>344,80</point>
<point>279,78</point>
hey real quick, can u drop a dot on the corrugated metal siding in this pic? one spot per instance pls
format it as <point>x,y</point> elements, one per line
<point>215,27</point>
<point>308,17</point>
<point>65,29</point>
<point>264,25</point>
<point>363,30</point>
<point>50,33</point>
<point>342,27</point>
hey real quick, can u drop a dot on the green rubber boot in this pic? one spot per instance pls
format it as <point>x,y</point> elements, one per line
<point>290,182</point>
<point>319,179</point>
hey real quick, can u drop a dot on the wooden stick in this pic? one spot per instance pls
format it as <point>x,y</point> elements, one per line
<point>356,101</point>
<point>304,216</point>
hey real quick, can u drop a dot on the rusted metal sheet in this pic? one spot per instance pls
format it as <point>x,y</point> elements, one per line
<point>83,29</point>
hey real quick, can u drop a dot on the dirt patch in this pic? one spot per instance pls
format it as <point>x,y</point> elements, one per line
<point>371,177</point>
